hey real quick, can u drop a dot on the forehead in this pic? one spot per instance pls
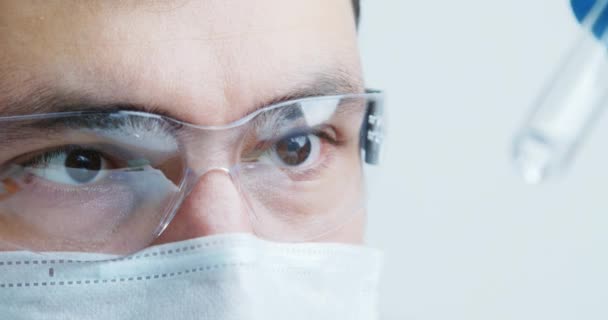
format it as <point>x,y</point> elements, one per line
<point>207,61</point>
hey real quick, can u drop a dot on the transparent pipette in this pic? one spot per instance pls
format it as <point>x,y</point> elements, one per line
<point>568,106</point>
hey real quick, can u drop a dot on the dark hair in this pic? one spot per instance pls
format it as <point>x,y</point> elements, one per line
<point>357,8</point>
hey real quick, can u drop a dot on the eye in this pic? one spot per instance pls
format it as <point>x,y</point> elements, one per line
<point>72,166</point>
<point>297,150</point>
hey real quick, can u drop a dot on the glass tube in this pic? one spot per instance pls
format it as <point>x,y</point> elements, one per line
<point>568,106</point>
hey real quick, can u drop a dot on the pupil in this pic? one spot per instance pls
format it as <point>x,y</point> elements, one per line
<point>294,151</point>
<point>83,165</point>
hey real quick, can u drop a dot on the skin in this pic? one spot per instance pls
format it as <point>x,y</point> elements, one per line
<point>206,62</point>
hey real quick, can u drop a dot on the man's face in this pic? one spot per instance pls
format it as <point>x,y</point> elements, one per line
<point>207,62</point>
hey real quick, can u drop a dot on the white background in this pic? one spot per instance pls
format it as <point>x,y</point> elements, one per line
<point>465,238</point>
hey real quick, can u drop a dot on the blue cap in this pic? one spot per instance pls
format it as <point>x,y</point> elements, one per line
<point>582,7</point>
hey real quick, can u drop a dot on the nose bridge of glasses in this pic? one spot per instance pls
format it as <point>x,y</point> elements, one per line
<point>213,151</point>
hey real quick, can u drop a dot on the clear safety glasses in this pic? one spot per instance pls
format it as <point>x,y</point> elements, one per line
<point>111,182</point>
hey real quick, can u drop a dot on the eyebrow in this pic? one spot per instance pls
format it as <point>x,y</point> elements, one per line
<point>43,101</point>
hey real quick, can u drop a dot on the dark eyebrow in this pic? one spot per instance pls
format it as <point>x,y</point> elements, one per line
<point>45,100</point>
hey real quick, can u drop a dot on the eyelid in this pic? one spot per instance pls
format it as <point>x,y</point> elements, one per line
<point>40,156</point>
<point>326,132</point>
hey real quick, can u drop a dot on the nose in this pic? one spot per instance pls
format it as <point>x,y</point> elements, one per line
<point>214,206</point>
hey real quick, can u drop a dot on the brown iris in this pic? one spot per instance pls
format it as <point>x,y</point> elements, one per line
<point>295,150</point>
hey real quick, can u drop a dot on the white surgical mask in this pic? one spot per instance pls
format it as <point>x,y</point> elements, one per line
<point>218,277</point>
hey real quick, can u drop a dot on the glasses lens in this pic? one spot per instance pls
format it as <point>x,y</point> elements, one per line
<point>86,182</point>
<point>301,167</point>
<point>110,182</point>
